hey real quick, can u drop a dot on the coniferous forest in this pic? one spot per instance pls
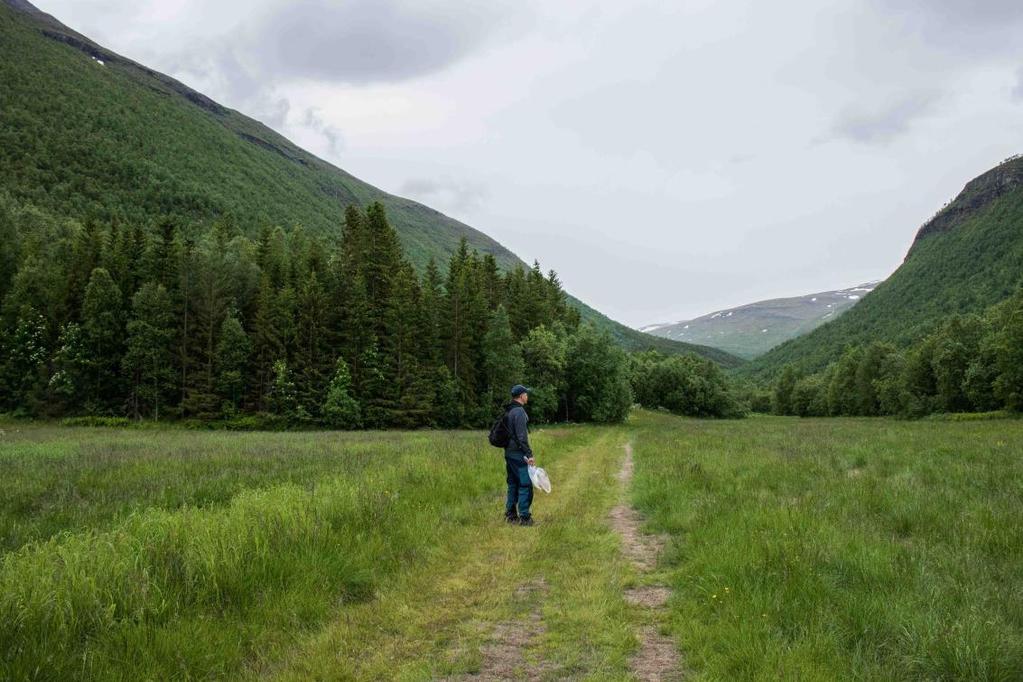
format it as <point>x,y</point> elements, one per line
<point>123,321</point>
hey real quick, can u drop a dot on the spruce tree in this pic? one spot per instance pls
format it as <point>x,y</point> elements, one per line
<point>403,351</point>
<point>206,306</point>
<point>382,261</point>
<point>373,391</point>
<point>10,247</point>
<point>311,354</point>
<point>518,301</point>
<point>354,242</point>
<point>232,357</point>
<point>431,316</point>
<point>357,335</point>
<point>267,344</point>
<point>447,410</point>
<point>149,358</point>
<point>163,257</point>
<point>103,329</point>
<point>502,363</point>
<point>85,258</point>
<point>492,282</point>
<point>466,321</point>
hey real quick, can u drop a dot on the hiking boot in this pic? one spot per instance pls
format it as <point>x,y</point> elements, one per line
<point>526,521</point>
<point>511,518</point>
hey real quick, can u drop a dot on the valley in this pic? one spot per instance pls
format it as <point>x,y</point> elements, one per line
<point>786,544</point>
<point>755,328</point>
<point>244,393</point>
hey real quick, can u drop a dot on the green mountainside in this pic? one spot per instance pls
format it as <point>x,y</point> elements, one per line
<point>966,258</point>
<point>88,134</point>
<point>755,328</point>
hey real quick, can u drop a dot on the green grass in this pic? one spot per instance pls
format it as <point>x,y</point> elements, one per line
<point>798,549</point>
<point>156,553</point>
<point>840,549</point>
<point>193,554</point>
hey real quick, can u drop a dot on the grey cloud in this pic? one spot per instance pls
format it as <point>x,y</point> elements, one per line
<point>959,14</point>
<point>458,195</point>
<point>883,125</point>
<point>335,141</point>
<point>336,41</point>
<point>364,41</point>
<point>217,70</point>
<point>1017,91</point>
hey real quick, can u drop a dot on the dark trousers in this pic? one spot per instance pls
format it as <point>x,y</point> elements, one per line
<point>520,488</point>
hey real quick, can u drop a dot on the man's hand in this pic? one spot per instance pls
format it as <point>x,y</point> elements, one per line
<point>530,460</point>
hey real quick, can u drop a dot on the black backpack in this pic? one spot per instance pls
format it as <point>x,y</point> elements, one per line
<point>500,435</point>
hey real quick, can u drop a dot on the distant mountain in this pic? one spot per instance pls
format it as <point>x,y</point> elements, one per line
<point>86,133</point>
<point>966,258</point>
<point>753,329</point>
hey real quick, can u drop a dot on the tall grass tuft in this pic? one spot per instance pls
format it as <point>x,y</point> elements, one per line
<point>220,577</point>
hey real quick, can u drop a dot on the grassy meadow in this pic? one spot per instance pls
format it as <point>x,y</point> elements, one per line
<point>840,548</point>
<point>796,549</point>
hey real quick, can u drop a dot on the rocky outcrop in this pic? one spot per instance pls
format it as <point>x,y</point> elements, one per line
<point>978,194</point>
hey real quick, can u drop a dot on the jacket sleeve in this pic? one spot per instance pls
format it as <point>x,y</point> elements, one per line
<point>520,434</point>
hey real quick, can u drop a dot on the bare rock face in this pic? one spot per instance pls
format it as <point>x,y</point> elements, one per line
<point>977,194</point>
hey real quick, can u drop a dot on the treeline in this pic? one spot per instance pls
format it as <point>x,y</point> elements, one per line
<point>684,384</point>
<point>971,363</point>
<point>287,328</point>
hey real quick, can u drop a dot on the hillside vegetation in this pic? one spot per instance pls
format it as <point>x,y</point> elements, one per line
<point>87,134</point>
<point>970,363</point>
<point>968,257</point>
<point>117,140</point>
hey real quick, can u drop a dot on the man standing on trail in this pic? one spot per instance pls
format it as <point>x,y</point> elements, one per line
<point>517,457</point>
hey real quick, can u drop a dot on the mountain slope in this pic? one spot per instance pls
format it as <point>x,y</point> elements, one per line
<point>632,339</point>
<point>753,329</point>
<point>89,134</point>
<point>969,256</point>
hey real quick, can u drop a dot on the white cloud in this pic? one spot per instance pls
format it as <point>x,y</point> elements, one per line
<point>459,196</point>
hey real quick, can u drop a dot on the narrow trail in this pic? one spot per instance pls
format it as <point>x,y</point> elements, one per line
<point>658,658</point>
<point>495,602</point>
<point>509,641</point>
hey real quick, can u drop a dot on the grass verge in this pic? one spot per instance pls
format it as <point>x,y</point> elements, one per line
<point>840,548</point>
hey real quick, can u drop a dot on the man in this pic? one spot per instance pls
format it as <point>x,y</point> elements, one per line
<point>517,457</point>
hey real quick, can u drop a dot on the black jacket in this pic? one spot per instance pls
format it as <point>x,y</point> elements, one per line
<point>518,422</point>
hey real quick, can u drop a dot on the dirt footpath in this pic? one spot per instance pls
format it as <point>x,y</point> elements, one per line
<point>658,657</point>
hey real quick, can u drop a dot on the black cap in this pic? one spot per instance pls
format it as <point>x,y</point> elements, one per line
<point>517,390</point>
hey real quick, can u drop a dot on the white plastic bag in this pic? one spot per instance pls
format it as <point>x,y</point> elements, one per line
<point>539,478</point>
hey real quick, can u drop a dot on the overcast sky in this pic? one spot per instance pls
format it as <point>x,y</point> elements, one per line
<point>666,158</point>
